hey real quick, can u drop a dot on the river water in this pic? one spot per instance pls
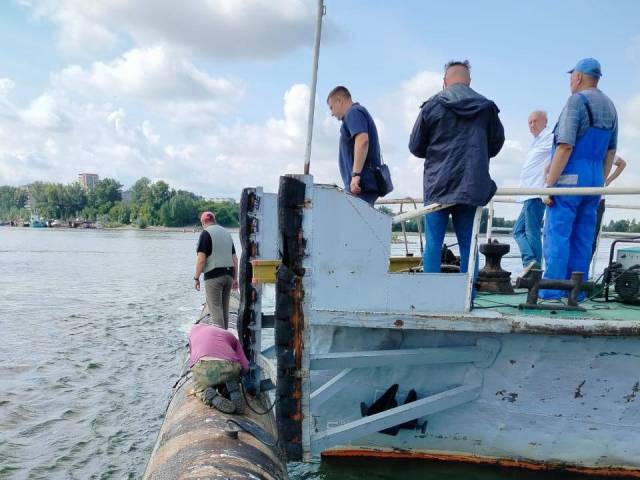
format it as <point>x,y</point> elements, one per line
<point>93,326</point>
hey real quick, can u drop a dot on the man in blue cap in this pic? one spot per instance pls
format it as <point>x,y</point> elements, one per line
<point>585,140</point>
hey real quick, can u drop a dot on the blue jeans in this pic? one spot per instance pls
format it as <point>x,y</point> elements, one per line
<point>435,226</point>
<point>528,231</point>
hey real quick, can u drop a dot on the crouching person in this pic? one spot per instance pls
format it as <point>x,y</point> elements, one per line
<point>217,361</point>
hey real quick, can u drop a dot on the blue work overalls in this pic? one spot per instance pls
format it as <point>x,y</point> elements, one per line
<point>571,220</point>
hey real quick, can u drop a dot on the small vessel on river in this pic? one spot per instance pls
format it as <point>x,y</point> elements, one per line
<point>502,379</point>
<point>37,222</point>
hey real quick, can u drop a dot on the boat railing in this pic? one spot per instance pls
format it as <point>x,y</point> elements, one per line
<point>503,195</point>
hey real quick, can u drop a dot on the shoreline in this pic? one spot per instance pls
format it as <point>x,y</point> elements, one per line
<point>151,228</point>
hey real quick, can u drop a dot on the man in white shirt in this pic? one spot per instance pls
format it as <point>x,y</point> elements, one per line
<point>527,230</point>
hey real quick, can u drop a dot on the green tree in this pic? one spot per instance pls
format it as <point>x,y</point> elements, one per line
<point>76,200</point>
<point>227,213</point>
<point>618,226</point>
<point>141,191</point>
<point>160,194</point>
<point>179,211</point>
<point>120,213</point>
<point>12,202</point>
<point>104,196</point>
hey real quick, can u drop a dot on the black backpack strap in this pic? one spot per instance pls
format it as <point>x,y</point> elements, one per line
<point>585,100</point>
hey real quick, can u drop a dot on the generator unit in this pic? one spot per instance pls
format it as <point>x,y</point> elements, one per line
<point>625,275</point>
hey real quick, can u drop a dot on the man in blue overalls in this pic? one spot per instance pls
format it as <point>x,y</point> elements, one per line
<point>584,148</point>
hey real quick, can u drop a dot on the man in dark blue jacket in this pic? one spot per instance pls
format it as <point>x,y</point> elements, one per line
<point>457,132</point>
<point>359,146</point>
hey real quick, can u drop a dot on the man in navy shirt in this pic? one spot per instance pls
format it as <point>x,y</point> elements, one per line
<point>359,146</point>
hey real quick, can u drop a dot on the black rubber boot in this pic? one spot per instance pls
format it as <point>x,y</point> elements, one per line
<point>236,397</point>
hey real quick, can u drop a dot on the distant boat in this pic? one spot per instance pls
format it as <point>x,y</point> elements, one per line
<point>36,222</point>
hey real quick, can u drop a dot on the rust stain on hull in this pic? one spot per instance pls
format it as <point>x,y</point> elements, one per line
<point>479,460</point>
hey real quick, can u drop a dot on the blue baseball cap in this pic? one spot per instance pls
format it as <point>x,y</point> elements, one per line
<point>588,66</point>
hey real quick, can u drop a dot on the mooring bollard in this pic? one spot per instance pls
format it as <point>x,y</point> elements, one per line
<point>492,278</point>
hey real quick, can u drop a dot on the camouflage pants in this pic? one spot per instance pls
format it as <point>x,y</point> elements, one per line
<point>212,373</point>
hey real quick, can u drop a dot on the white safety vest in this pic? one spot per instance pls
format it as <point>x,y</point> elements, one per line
<point>222,246</point>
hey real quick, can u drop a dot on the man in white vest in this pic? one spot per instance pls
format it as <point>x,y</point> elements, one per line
<point>218,261</point>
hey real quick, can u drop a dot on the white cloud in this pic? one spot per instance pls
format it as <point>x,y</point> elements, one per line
<point>6,85</point>
<point>217,28</point>
<point>157,76</point>
<point>7,109</point>
<point>53,138</point>
<point>397,114</point>
<point>629,145</point>
<point>414,92</point>
<point>78,22</point>
<point>252,154</point>
<point>633,49</point>
<point>45,112</point>
<point>89,120</point>
<point>630,119</point>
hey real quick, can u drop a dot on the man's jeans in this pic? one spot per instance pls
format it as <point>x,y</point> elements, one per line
<point>218,292</point>
<point>528,231</point>
<point>435,226</point>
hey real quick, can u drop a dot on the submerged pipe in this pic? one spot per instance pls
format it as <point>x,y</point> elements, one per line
<point>197,441</point>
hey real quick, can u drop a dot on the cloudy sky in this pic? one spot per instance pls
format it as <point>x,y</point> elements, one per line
<point>211,95</point>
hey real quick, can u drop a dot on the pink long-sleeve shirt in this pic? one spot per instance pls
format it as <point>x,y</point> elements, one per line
<point>211,341</point>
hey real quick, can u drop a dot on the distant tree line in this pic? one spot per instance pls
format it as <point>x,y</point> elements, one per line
<point>152,203</point>
<point>12,203</point>
<point>622,226</point>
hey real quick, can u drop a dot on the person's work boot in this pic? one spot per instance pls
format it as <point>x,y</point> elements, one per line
<point>212,398</point>
<point>236,396</point>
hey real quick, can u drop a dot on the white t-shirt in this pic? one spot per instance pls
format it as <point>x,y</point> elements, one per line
<point>538,157</point>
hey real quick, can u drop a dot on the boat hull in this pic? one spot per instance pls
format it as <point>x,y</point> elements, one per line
<point>545,401</point>
<point>452,457</point>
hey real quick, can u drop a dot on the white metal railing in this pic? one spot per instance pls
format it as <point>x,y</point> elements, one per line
<point>594,260</point>
<point>571,191</point>
<point>503,196</point>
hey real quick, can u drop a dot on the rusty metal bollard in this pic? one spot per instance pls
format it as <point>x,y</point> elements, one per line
<point>492,278</point>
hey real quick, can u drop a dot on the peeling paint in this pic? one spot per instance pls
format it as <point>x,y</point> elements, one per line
<point>509,397</point>
<point>578,392</point>
<point>634,390</point>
